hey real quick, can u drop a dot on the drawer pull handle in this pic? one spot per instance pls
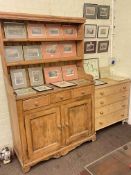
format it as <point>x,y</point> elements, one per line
<point>61,98</point>
<point>101,113</point>
<point>124,87</point>
<point>102,102</point>
<point>83,93</point>
<point>101,93</point>
<point>100,123</point>
<point>122,115</point>
<point>36,103</point>
<point>123,106</point>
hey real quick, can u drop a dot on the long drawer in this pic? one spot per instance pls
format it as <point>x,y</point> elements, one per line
<point>111,99</point>
<point>102,92</point>
<point>103,111</point>
<point>102,122</point>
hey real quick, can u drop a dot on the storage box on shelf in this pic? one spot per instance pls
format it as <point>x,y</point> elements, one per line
<point>111,102</point>
<point>49,123</point>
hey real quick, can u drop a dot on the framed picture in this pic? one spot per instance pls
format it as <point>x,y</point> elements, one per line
<point>36,30</point>
<point>51,50</point>
<point>14,30</point>
<point>91,66</point>
<point>32,52</point>
<point>64,84</point>
<point>53,74</point>
<point>90,31</point>
<point>69,31</point>
<point>68,49</point>
<point>53,31</point>
<point>103,46</point>
<point>36,76</point>
<point>90,47</point>
<point>24,91</point>
<point>18,77</point>
<point>90,11</point>
<point>42,88</point>
<point>69,72</point>
<point>13,53</point>
<point>103,12</point>
<point>103,31</point>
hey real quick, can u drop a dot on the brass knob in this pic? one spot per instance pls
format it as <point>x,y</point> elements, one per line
<point>102,102</point>
<point>124,87</point>
<point>101,93</point>
<point>122,115</point>
<point>36,103</point>
<point>61,98</point>
<point>101,113</point>
<point>100,123</point>
<point>83,93</point>
<point>123,106</point>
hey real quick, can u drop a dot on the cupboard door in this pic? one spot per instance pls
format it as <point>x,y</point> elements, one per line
<point>77,120</point>
<point>43,131</point>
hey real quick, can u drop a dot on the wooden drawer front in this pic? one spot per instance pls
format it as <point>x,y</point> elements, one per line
<point>61,96</point>
<point>111,90</point>
<point>81,91</point>
<point>111,99</point>
<point>111,108</point>
<point>102,122</point>
<point>36,102</point>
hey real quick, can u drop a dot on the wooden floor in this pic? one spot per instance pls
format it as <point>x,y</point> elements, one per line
<point>73,163</point>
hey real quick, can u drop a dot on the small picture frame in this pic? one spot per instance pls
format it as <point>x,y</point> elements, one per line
<point>103,31</point>
<point>68,49</point>
<point>18,77</point>
<point>53,31</point>
<point>103,12</point>
<point>15,30</point>
<point>13,53</point>
<point>32,52</point>
<point>36,76</point>
<point>42,88</point>
<point>69,72</point>
<point>64,84</point>
<point>36,30</point>
<point>103,46</point>
<point>53,74</point>
<point>90,30</point>
<point>69,31</point>
<point>90,11</point>
<point>91,66</point>
<point>90,47</point>
<point>51,50</point>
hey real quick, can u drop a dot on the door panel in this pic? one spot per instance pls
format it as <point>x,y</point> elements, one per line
<point>43,131</point>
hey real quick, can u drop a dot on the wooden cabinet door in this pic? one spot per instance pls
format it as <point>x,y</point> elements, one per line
<point>43,131</point>
<point>77,120</point>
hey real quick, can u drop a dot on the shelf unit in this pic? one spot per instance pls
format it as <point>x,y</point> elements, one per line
<point>60,110</point>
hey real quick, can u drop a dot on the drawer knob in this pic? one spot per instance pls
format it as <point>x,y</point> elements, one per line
<point>123,106</point>
<point>36,103</point>
<point>102,102</point>
<point>61,98</point>
<point>66,124</point>
<point>59,127</point>
<point>101,93</point>
<point>83,92</point>
<point>100,123</point>
<point>124,87</point>
<point>122,115</point>
<point>101,113</point>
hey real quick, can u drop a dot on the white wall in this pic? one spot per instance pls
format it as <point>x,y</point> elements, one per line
<point>47,7</point>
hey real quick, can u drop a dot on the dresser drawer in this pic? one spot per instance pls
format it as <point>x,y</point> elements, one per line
<point>99,93</point>
<point>111,99</point>
<point>79,92</point>
<point>102,111</point>
<point>102,122</point>
<point>61,96</point>
<point>36,102</point>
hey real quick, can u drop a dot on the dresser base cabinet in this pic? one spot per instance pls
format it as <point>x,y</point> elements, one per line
<point>111,103</point>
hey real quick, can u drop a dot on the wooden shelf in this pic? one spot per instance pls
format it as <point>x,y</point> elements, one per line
<point>29,62</point>
<point>42,39</point>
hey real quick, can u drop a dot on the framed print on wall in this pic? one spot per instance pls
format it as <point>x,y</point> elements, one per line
<point>103,46</point>
<point>18,77</point>
<point>90,30</point>
<point>103,31</point>
<point>90,11</point>
<point>53,74</point>
<point>90,47</point>
<point>103,12</point>
<point>36,76</point>
<point>69,72</point>
<point>91,66</point>
<point>53,31</point>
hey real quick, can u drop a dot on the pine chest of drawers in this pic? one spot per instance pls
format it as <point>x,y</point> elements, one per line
<point>111,102</point>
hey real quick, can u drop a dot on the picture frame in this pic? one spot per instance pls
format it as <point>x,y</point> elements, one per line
<point>15,30</point>
<point>53,74</point>
<point>103,46</point>
<point>91,66</point>
<point>32,52</point>
<point>90,47</point>
<point>69,72</point>
<point>103,31</point>
<point>90,30</point>
<point>35,30</point>
<point>53,31</point>
<point>63,84</point>
<point>42,88</point>
<point>90,11</point>
<point>36,76</point>
<point>13,53</point>
<point>24,91</point>
<point>103,12</point>
<point>69,31</point>
<point>18,78</point>
<point>68,49</point>
<point>51,50</point>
